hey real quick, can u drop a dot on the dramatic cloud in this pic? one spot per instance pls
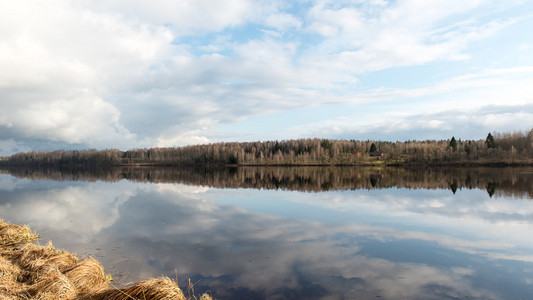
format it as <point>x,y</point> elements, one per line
<point>126,74</point>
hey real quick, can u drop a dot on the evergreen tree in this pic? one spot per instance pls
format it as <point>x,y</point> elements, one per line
<point>489,141</point>
<point>453,144</point>
<point>373,148</point>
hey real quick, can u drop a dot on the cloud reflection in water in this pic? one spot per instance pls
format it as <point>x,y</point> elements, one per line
<point>422,244</point>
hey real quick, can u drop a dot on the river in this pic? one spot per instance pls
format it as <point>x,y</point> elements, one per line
<point>292,233</point>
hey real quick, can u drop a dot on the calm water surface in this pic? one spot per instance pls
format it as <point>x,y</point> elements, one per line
<point>285,233</point>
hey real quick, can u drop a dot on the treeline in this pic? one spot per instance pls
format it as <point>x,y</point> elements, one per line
<point>517,182</point>
<point>498,148</point>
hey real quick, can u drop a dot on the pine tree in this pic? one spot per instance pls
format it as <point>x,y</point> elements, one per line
<point>490,141</point>
<point>453,144</point>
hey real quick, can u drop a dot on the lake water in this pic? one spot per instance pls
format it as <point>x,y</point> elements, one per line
<point>292,233</point>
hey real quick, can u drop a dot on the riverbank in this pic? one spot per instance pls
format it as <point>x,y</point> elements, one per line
<point>503,150</point>
<point>31,271</point>
<point>362,163</point>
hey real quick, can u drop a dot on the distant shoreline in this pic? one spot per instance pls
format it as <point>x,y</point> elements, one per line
<point>499,150</point>
<point>525,163</point>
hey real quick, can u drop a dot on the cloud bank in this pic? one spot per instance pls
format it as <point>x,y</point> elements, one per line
<point>117,74</point>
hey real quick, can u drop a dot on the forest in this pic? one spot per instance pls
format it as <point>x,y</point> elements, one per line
<point>514,148</point>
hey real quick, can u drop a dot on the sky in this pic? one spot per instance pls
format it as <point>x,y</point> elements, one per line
<point>97,74</point>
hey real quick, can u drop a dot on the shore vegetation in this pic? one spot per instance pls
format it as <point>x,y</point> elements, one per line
<point>31,271</point>
<point>514,148</point>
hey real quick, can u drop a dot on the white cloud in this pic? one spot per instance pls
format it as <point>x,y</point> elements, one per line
<point>181,140</point>
<point>438,124</point>
<point>283,21</point>
<point>372,37</point>
<point>134,74</point>
<point>58,67</point>
<point>9,183</point>
<point>186,17</point>
<point>467,106</point>
<point>85,209</point>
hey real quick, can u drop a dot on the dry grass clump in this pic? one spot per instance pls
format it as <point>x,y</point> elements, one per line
<point>8,276</point>
<point>4,296</point>
<point>35,260</point>
<point>44,272</point>
<point>87,276</point>
<point>51,285</point>
<point>14,235</point>
<point>160,288</point>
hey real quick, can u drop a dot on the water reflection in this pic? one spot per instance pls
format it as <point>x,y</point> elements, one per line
<point>516,181</point>
<point>249,243</point>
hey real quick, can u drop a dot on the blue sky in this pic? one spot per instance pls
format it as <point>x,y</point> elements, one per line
<point>127,74</point>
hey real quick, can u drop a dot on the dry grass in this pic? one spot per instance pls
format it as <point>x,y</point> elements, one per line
<point>87,276</point>
<point>161,288</point>
<point>30,271</point>
<point>14,235</point>
<point>35,260</point>
<point>8,276</point>
<point>52,285</point>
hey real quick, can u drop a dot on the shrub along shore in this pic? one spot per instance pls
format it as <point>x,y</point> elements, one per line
<point>31,271</point>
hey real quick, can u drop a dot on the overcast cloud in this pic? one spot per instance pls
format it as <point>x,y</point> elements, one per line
<point>125,74</point>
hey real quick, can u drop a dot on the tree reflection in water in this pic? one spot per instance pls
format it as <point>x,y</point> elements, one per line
<point>517,182</point>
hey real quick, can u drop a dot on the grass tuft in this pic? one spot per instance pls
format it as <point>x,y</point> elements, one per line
<point>30,271</point>
<point>160,288</point>
<point>14,235</point>
<point>52,285</point>
<point>87,276</point>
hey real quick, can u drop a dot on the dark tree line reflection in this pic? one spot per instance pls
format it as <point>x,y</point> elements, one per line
<point>509,181</point>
